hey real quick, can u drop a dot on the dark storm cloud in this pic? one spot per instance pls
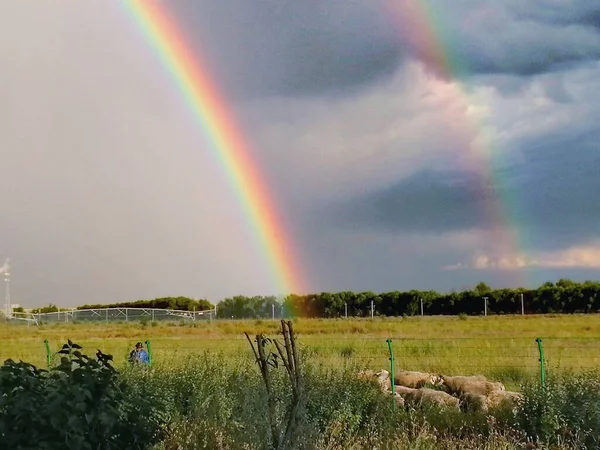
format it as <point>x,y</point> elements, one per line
<point>551,195</point>
<point>290,47</point>
<point>319,47</point>
<point>574,12</point>
<point>506,37</point>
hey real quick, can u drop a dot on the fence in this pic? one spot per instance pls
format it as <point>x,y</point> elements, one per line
<point>506,359</point>
<point>115,315</point>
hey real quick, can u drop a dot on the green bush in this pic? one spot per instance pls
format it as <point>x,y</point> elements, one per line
<point>80,404</point>
<point>565,412</point>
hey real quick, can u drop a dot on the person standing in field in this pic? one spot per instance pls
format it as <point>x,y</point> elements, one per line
<point>139,355</point>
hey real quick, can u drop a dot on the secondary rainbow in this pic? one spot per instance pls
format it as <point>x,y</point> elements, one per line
<point>423,29</point>
<point>230,147</point>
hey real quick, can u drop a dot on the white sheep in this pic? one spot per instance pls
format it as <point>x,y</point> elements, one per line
<point>474,385</point>
<point>415,379</point>
<point>425,396</point>
<point>474,402</point>
<point>382,377</point>
<point>510,399</point>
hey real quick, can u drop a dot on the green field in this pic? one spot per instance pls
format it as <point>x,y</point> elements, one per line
<point>206,392</point>
<point>502,347</point>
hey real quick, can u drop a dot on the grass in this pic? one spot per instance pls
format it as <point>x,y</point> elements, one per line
<point>207,392</point>
<point>501,347</point>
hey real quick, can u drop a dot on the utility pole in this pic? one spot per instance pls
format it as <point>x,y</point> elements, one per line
<point>485,306</point>
<point>522,305</point>
<point>372,309</point>
<point>8,311</point>
<point>421,307</point>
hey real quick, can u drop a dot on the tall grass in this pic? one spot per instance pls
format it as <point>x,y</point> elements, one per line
<point>501,347</point>
<point>217,400</point>
<point>209,403</point>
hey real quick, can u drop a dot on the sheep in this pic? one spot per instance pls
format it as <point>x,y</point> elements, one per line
<point>382,377</point>
<point>510,399</point>
<point>399,400</point>
<point>404,389</point>
<point>415,379</point>
<point>425,396</point>
<point>474,402</point>
<point>473,385</point>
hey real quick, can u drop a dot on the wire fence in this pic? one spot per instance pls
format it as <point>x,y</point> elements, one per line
<point>506,359</point>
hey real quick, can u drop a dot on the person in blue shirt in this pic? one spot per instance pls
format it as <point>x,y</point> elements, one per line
<point>139,355</point>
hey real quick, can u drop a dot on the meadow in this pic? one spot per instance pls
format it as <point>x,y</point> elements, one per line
<point>205,391</point>
<point>501,347</point>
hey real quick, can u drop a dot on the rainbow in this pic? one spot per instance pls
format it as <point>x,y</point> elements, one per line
<point>216,119</point>
<point>424,31</point>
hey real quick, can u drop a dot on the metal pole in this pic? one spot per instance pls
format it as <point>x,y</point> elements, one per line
<point>485,306</point>
<point>346,310</point>
<point>522,305</point>
<point>389,343</point>
<point>273,311</point>
<point>7,295</point>
<point>372,308</point>
<point>48,353</point>
<point>149,347</point>
<point>421,307</point>
<point>542,362</point>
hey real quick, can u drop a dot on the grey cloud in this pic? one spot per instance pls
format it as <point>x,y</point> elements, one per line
<point>292,48</point>
<point>499,37</point>
<point>551,196</point>
<point>316,47</point>
<point>574,12</point>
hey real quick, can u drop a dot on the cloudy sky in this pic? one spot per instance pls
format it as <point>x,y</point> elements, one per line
<point>408,144</point>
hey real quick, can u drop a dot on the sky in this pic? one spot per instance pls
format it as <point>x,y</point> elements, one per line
<point>407,145</point>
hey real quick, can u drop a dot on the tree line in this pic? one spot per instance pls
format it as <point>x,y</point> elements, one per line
<point>564,296</point>
<point>181,303</point>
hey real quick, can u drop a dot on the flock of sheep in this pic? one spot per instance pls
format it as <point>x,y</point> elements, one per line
<point>466,393</point>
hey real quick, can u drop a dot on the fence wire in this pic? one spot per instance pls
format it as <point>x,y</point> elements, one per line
<point>502,358</point>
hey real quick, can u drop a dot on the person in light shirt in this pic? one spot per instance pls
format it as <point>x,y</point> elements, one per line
<point>139,355</point>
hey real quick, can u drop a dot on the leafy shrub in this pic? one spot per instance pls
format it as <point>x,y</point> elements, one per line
<point>565,412</point>
<point>80,404</point>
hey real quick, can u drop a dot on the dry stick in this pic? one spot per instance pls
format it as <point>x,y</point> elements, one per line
<point>295,389</point>
<point>286,361</point>
<point>252,346</point>
<point>294,352</point>
<point>264,370</point>
<point>283,359</point>
<point>288,348</point>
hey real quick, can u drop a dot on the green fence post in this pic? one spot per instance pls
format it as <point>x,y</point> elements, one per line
<point>542,362</point>
<point>149,352</point>
<point>48,353</point>
<point>389,343</point>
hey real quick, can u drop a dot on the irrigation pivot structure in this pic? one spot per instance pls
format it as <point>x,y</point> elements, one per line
<point>118,315</point>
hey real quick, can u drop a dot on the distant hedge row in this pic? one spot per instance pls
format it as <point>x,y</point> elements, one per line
<point>182,303</point>
<point>565,296</point>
